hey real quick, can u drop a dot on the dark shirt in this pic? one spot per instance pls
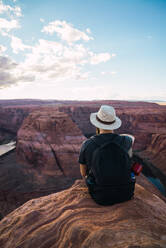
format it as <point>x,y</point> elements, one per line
<point>89,146</point>
<point>106,195</point>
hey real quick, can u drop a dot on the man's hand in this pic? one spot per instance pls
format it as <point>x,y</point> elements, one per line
<point>83,170</point>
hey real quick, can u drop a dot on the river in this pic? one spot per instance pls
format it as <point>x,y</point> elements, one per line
<point>7,147</point>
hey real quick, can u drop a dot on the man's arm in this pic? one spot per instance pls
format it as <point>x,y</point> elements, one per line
<point>83,170</point>
<point>130,152</point>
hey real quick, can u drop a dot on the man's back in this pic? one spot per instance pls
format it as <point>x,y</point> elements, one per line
<point>90,145</point>
<point>110,194</point>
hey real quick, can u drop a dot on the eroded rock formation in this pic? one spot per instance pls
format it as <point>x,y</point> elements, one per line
<point>10,121</point>
<point>48,145</point>
<point>140,120</point>
<point>72,219</point>
<point>49,141</point>
<point>48,151</point>
<point>18,184</point>
<point>156,151</point>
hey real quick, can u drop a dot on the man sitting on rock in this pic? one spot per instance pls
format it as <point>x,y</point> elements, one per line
<point>105,160</point>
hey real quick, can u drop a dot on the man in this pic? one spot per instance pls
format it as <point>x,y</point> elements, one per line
<point>106,121</point>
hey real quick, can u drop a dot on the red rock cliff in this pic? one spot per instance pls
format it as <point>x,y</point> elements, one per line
<point>11,120</point>
<point>140,120</point>
<point>49,141</point>
<point>48,145</point>
<point>156,151</point>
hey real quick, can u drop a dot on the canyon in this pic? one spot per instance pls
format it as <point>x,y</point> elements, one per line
<point>45,160</point>
<point>49,135</point>
<point>146,121</point>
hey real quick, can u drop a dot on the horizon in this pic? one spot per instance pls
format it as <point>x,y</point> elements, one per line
<point>78,51</point>
<point>160,102</point>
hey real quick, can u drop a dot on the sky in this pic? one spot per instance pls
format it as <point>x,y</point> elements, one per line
<point>83,49</point>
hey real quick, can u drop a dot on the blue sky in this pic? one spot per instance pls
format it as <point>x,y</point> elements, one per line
<point>91,49</point>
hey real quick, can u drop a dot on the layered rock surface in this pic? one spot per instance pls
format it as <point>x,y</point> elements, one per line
<point>50,142</point>
<point>10,121</point>
<point>140,120</point>
<point>18,184</point>
<point>48,145</point>
<point>156,151</point>
<point>71,219</point>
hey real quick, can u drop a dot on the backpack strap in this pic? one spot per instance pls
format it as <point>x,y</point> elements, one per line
<point>99,140</point>
<point>104,143</point>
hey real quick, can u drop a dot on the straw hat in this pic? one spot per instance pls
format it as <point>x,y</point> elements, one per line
<point>105,118</point>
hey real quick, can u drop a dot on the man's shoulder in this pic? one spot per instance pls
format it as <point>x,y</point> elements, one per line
<point>125,141</point>
<point>88,142</point>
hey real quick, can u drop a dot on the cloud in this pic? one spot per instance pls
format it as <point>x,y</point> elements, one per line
<point>6,25</point>
<point>2,49</point>
<point>108,72</point>
<point>52,60</point>
<point>42,20</point>
<point>66,31</point>
<point>46,61</point>
<point>17,44</point>
<point>8,79</point>
<point>98,58</point>
<point>88,31</point>
<point>12,11</point>
<point>6,63</point>
<point>9,21</point>
<point>5,79</point>
<point>11,73</point>
<point>56,61</point>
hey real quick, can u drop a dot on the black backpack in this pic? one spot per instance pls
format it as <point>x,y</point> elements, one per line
<point>111,164</point>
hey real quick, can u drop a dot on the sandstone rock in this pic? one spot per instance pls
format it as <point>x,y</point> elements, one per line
<point>72,219</point>
<point>140,120</point>
<point>18,184</point>
<point>156,151</point>
<point>12,118</point>
<point>48,145</point>
<point>50,142</point>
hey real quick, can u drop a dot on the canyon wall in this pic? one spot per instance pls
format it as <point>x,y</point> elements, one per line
<point>142,121</point>
<point>138,118</point>
<point>156,151</point>
<point>49,141</point>
<point>10,121</point>
<point>48,145</point>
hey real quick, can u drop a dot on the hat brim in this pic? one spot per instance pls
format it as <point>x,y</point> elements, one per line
<point>98,124</point>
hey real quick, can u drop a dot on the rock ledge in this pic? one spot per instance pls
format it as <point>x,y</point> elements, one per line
<point>70,219</point>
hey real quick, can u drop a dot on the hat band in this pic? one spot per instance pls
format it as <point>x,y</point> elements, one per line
<point>104,122</point>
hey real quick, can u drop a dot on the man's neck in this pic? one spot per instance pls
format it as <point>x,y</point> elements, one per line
<point>106,131</point>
